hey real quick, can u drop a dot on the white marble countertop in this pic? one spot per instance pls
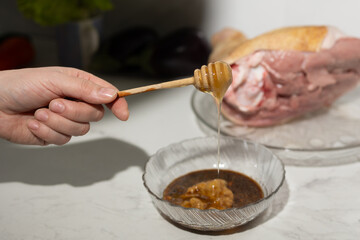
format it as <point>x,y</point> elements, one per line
<point>92,188</point>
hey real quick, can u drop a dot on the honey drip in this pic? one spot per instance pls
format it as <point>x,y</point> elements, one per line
<point>213,193</point>
<point>218,105</point>
<point>214,79</point>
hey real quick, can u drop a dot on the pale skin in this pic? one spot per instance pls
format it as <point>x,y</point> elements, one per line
<point>41,106</point>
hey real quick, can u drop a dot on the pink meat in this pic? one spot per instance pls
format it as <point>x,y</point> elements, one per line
<point>272,87</point>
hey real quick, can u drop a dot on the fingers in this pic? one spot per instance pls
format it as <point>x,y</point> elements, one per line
<point>45,134</point>
<point>60,124</point>
<point>50,86</point>
<point>63,119</point>
<point>77,111</point>
<point>84,86</point>
<point>89,88</point>
<point>55,129</point>
<point>119,108</point>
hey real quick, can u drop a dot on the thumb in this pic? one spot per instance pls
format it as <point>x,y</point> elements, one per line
<point>86,90</point>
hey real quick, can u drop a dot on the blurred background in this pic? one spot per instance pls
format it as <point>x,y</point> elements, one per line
<point>151,39</point>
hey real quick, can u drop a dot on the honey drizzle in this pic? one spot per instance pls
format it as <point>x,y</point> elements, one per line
<point>218,104</point>
<point>218,92</point>
<point>214,79</point>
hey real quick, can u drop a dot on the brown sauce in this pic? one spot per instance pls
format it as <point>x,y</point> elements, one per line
<point>245,190</point>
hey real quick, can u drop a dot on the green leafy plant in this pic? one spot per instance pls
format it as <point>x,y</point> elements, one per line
<point>55,12</point>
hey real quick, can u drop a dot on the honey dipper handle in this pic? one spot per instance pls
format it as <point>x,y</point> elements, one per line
<point>170,84</point>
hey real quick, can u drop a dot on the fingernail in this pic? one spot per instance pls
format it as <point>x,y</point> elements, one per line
<point>57,107</point>
<point>34,125</point>
<point>42,116</point>
<point>107,92</point>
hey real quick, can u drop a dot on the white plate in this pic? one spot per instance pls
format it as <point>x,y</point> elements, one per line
<point>326,137</point>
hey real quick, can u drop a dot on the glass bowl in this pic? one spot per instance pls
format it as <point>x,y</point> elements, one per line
<point>237,155</point>
<point>326,137</point>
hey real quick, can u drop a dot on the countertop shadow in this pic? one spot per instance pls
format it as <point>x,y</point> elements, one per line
<point>78,164</point>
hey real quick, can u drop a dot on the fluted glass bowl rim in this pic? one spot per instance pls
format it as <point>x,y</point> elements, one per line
<point>152,157</point>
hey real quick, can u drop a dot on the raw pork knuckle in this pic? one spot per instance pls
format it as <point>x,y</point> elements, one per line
<point>287,73</point>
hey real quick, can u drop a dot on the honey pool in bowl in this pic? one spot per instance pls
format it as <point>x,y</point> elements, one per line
<point>212,189</point>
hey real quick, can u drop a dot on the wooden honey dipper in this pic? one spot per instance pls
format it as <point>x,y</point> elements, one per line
<point>214,78</point>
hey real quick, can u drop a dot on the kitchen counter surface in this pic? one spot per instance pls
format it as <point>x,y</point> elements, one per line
<point>92,187</point>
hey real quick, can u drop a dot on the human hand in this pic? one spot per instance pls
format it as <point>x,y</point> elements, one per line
<point>48,105</point>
